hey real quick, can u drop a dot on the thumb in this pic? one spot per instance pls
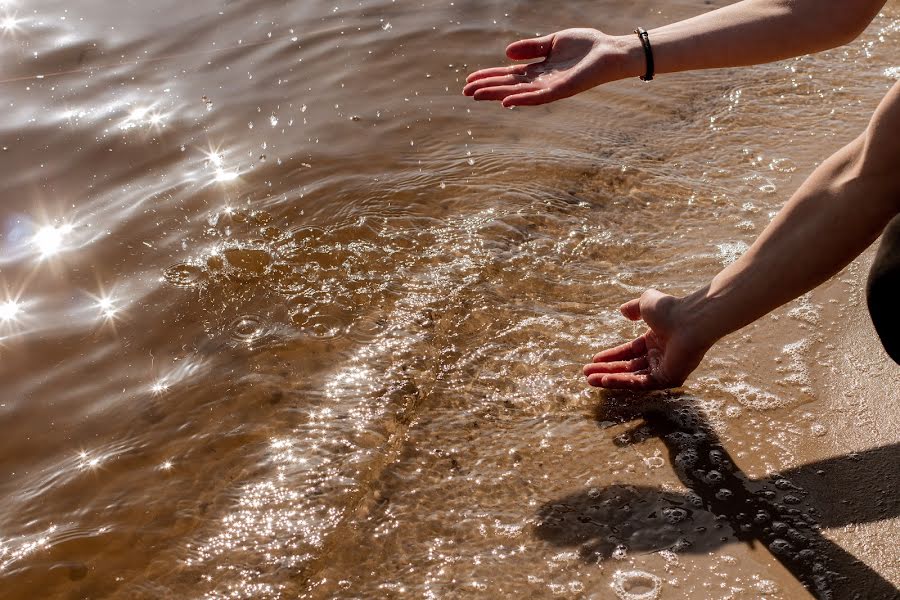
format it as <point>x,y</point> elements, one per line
<point>632,309</point>
<point>647,304</point>
<point>531,48</point>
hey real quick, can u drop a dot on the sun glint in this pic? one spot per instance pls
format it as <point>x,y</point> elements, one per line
<point>49,239</point>
<point>107,307</point>
<point>9,24</point>
<point>9,311</point>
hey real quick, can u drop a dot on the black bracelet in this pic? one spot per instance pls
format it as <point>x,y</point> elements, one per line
<point>648,52</point>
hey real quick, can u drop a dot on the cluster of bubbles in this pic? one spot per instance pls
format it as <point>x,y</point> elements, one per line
<point>636,585</point>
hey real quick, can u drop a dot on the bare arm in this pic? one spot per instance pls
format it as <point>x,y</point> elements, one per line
<point>745,33</point>
<point>837,212</point>
<point>757,31</point>
<point>835,215</point>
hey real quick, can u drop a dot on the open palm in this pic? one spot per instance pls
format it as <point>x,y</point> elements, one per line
<point>661,358</point>
<point>574,60</point>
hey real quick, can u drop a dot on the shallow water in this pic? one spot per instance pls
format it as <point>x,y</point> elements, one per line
<point>287,316</point>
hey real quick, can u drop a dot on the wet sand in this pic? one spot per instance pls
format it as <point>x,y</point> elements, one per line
<point>287,316</point>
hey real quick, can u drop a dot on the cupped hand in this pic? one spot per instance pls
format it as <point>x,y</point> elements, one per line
<point>574,60</point>
<point>661,358</point>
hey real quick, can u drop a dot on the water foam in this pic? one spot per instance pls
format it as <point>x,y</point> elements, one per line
<point>636,585</point>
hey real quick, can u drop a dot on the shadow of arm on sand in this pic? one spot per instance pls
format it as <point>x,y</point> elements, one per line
<point>785,512</point>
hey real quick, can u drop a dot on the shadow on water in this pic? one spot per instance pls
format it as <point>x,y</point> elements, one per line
<point>786,511</point>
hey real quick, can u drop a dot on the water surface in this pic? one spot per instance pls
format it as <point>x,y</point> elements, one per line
<point>284,315</point>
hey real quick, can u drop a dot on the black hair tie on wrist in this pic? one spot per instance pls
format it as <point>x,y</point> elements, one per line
<point>648,52</point>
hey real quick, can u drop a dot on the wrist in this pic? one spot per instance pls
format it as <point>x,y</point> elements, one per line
<point>696,314</point>
<point>630,55</point>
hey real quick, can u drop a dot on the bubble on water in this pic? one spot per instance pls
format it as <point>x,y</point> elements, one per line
<point>695,499</point>
<point>724,494</point>
<point>365,329</point>
<point>806,554</point>
<point>730,251</point>
<point>766,586</point>
<point>804,310</point>
<point>674,515</point>
<point>686,458</point>
<point>636,585</point>
<point>797,369</point>
<point>682,544</point>
<point>670,557</point>
<point>752,397</point>
<point>247,328</point>
<point>319,326</point>
<point>733,412</point>
<point>782,165</point>
<point>681,439</point>
<point>784,484</point>
<point>654,462</point>
<point>273,120</point>
<point>780,546</point>
<point>620,552</point>
<point>818,430</point>
<point>184,275</point>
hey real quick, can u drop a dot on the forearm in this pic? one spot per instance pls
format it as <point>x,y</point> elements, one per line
<point>838,212</point>
<point>752,32</point>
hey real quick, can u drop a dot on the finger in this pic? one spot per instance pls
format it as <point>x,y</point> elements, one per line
<point>473,87</point>
<point>531,48</point>
<point>501,92</point>
<point>626,351</point>
<point>624,381</point>
<point>495,71</point>
<point>542,96</point>
<point>632,309</point>
<point>618,366</point>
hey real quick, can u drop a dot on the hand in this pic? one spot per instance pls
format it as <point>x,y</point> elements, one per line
<point>575,60</point>
<point>661,358</point>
